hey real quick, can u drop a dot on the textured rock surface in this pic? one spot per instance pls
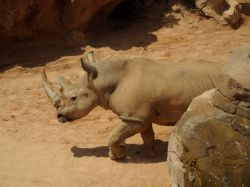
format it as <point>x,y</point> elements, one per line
<point>235,83</point>
<point>224,11</point>
<point>210,144</point>
<point>29,18</point>
<point>23,19</point>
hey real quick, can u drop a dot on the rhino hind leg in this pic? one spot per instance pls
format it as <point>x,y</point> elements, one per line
<point>125,130</point>
<point>148,137</point>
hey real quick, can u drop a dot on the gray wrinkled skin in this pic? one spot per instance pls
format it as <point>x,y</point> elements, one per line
<point>139,90</point>
<point>73,101</point>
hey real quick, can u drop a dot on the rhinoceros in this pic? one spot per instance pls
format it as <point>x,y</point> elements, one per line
<point>140,90</point>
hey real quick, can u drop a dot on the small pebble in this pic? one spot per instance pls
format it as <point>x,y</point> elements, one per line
<point>12,130</point>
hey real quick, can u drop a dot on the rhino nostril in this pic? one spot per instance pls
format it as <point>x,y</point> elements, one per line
<point>62,118</point>
<point>59,115</point>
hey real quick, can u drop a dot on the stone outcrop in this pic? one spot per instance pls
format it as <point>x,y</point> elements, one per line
<point>29,18</point>
<point>224,11</point>
<point>25,19</point>
<point>210,144</point>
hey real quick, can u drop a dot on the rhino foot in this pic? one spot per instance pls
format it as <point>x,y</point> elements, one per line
<point>118,153</point>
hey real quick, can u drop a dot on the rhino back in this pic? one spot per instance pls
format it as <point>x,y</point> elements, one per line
<point>160,92</point>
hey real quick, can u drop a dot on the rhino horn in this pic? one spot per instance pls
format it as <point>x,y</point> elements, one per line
<point>90,68</point>
<point>64,82</point>
<point>49,89</point>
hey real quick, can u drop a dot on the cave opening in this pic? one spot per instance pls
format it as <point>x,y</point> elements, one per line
<point>125,14</point>
<point>126,11</point>
<point>116,17</point>
<point>131,11</point>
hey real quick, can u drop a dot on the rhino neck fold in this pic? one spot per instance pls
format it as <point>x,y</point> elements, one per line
<point>102,94</point>
<point>110,73</point>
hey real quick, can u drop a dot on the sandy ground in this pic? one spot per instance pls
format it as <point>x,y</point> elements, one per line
<point>36,150</point>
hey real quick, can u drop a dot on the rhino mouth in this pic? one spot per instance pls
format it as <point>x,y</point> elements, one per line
<point>62,118</point>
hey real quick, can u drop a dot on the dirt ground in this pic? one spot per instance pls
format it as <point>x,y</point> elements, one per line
<point>36,150</point>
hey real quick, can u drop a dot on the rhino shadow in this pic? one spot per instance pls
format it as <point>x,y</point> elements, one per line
<point>133,153</point>
<point>101,151</point>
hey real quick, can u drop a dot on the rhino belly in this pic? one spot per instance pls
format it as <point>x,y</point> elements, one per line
<point>168,115</point>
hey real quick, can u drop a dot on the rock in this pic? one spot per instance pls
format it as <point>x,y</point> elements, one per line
<point>235,83</point>
<point>29,18</point>
<point>223,103</point>
<point>242,125</point>
<point>207,149</point>
<point>243,109</point>
<point>5,119</point>
<point>224,11</point>
<point>232,15</point>
<point>76,38</point>
<point>21,19</point>
<point>210,143</point>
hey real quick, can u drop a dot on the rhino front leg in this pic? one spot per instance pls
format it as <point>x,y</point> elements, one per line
<point>125,130</point>
<point>148,137</point>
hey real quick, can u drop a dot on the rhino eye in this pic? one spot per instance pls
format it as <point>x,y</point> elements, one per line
<point>73,98</point>
<point>86,94</point>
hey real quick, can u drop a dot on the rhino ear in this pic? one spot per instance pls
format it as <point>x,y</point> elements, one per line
<point>90,68</point>
<point>90,56</point>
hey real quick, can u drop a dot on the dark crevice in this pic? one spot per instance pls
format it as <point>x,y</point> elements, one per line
<point>60,6</point>
<point>126,11</point>
<point>116,17</point>
<point>245,8</point>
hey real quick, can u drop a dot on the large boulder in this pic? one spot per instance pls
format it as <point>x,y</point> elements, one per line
<point>224,11</point>
<point>22,19</point>
<point>210,144</point>
<point>29,18</point>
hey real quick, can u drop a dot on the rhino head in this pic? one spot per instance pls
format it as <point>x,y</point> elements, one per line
<point>73,101</point>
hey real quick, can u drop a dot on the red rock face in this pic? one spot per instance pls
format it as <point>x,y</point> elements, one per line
<point>28,18</point>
